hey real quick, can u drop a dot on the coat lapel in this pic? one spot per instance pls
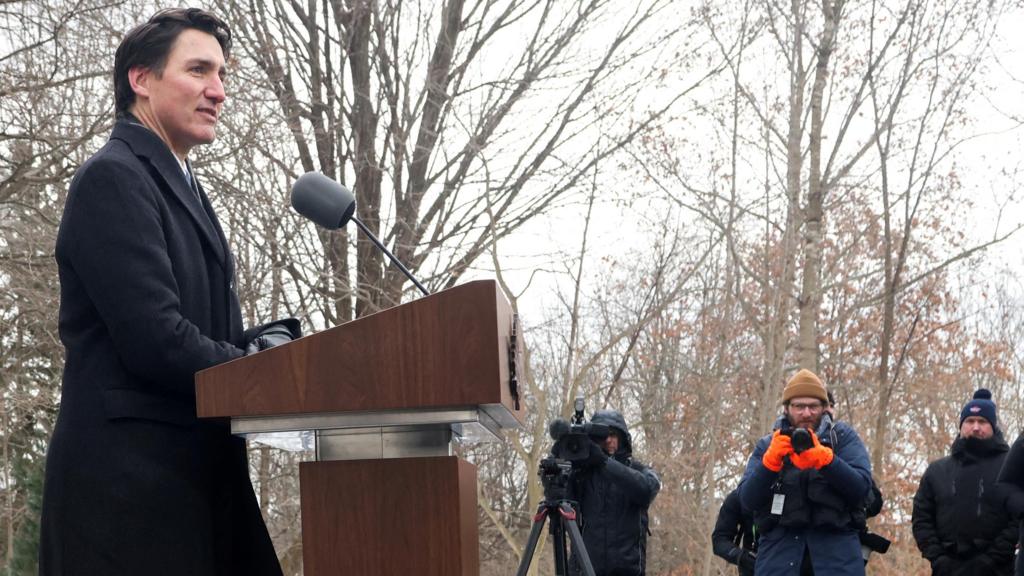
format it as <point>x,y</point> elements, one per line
<point>229,262</point>
<point>145,144</point>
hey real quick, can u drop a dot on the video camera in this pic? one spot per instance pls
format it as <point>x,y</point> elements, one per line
<point>573,438</point>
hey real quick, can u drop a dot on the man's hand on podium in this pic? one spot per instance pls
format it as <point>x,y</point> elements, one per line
<point>273,334</point>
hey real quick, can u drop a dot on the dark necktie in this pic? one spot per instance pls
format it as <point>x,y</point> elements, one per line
<point>193,184</point>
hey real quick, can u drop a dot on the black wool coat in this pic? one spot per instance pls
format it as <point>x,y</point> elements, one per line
<point>960,518</point>
<point>135,483</point>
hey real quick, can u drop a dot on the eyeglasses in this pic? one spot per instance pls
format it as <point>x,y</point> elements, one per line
<point>809,407</point>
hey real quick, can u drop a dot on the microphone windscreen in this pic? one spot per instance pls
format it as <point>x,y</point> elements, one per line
<point>558,428</point>
<point>323,200</point>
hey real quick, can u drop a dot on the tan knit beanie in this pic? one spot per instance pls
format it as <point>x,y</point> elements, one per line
<point>804,384</point>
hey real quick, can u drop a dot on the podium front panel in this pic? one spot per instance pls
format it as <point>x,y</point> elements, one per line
<point>390,517</point>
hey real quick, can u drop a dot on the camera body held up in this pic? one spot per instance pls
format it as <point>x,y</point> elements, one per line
<point>576,440</point>
<point>801,437</point>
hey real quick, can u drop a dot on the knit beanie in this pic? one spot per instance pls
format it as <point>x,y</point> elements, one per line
<point>981,405</point>
<point>804,384</point>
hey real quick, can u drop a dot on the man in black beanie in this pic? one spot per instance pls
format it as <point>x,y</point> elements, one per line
<point>960,520</point>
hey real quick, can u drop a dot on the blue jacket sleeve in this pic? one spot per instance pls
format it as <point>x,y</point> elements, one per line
<point>850,470</point>
<point>755,487</point>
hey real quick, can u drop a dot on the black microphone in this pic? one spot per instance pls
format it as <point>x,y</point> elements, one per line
<point>331,205</point>
<point>323,200</point>
<point>558,428</point>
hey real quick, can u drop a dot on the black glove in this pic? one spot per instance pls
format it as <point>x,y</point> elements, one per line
<point>944,566</point>
<point>597,457</point>
<point>978,566</point>
<point>273,334</point>
<point>874,542</point>
<point>1015,503</point>
<point>746,561</point>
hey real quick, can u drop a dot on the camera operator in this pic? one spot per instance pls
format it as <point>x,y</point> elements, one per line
<point>806,484</point>
<point>614,492</point>
<point>961,521</point>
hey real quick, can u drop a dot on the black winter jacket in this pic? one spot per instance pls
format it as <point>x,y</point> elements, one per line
<point>960,520</point>
<point>613,502</point>
<point>1012,477</point>
<point>733,536</point>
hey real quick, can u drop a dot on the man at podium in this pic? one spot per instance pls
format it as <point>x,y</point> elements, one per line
<point>135,483</point>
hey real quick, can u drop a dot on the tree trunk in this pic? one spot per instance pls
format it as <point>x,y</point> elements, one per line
<point>776,338</point>
<point>810,292</point>
<point>368,174</point>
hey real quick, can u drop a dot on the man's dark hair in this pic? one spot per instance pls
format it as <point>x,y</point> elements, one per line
<point>149,44</point>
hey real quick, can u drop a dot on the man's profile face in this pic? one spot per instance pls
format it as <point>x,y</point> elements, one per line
<point>611,443</point>
<point>185,100</point>
<point>805,412</point>
<point>976,427</point>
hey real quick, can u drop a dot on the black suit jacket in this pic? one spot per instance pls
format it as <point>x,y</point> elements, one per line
<point>135,483</point>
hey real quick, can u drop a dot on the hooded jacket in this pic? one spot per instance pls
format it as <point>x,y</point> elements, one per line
<point>960,519</point>
<point>613,502</point>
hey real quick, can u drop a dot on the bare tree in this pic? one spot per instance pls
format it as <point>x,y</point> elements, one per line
<point>428,108</point>
<point>54,103</point>
<point>912,152</point>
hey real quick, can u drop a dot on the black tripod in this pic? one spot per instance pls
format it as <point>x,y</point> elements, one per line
<point>554,474</point>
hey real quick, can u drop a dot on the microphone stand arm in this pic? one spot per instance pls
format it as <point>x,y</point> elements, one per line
<point>390,255</point>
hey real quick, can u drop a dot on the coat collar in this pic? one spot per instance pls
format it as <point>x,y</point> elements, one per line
<point>979,450</point>
<point>146,144</point>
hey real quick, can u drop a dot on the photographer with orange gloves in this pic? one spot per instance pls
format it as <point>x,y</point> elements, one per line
<point>806,484</point>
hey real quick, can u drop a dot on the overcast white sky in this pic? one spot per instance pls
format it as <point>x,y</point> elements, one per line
<point>992,170</point>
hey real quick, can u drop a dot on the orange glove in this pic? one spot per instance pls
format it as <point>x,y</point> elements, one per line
<point>777,451</point>
<point>817,456</point>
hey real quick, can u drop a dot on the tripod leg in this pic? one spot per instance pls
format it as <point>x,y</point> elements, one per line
<point>558,541</point>
<point>568,517</point>
<point>531,543</point>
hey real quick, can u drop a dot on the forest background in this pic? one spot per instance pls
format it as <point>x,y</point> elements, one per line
<point>685,201</point>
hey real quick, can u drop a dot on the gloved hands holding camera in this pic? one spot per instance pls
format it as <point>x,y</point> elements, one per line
<point>817,456</point>
<point>597,457</point>
<point>272,334</point>
<point>775,456</point>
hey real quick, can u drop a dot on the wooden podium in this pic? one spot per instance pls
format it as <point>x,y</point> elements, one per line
<point>382,397</point>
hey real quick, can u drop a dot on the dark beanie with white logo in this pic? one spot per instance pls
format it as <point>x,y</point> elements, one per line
<point>981,405</point>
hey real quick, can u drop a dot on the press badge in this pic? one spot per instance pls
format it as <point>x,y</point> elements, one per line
<point>777,503</point>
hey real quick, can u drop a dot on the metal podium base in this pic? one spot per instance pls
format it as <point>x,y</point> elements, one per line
<point>376,435</point>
